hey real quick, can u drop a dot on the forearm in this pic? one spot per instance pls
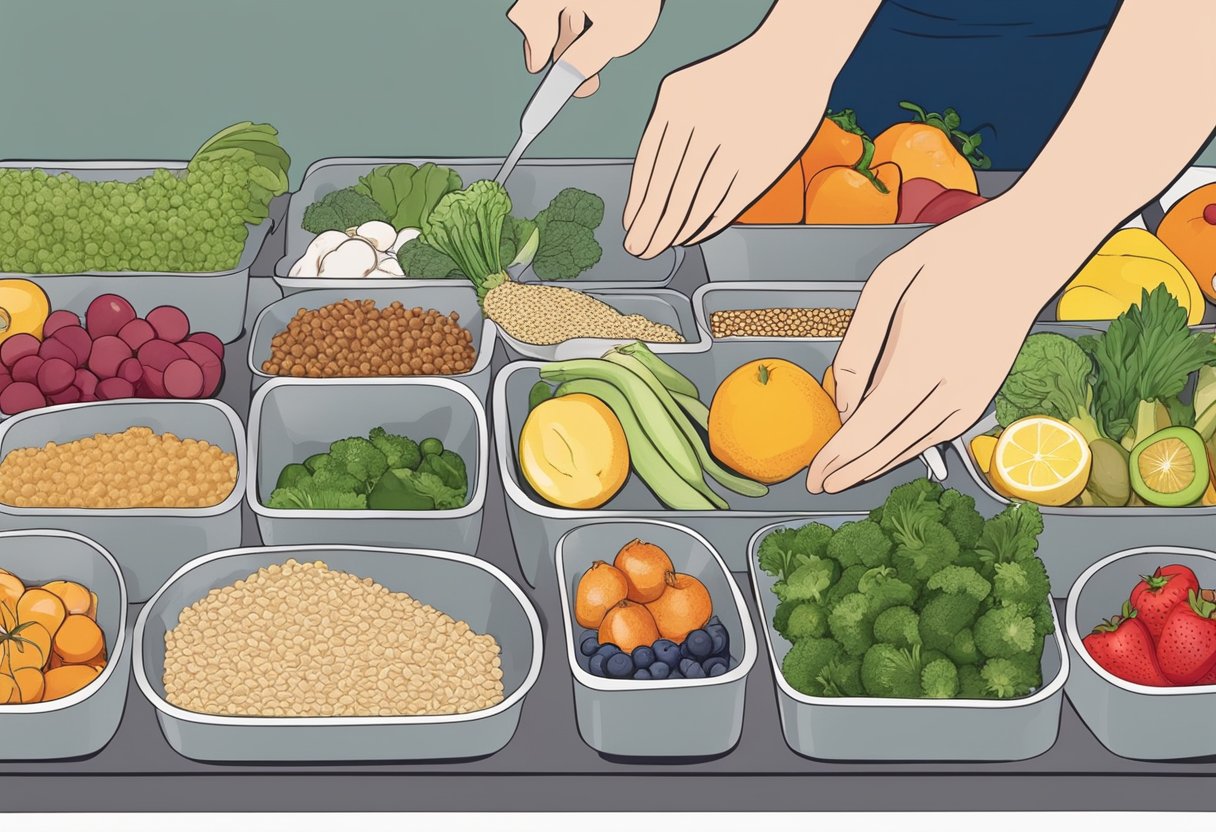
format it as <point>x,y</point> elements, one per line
<point>815,36</point>
<point>1126,137</point>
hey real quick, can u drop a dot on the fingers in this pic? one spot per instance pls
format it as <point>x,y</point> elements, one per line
<point>715,186</point>
<point>694,170</point>
<point>726,212</point>
<point>588,88</point>
<point>570,25</point>
<point>667,165</point>
<point>643,165</point>
<point>591,48</point>
<point>538,20</point>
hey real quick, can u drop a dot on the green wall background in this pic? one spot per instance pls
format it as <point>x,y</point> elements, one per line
<point>151,79</point>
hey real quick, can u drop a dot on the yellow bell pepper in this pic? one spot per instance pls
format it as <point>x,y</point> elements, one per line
<point>1131,261</point>
<point>23,308</point>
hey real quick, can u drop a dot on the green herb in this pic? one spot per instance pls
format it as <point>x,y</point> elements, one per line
<point>408,193</point>
<point>1050,377</point>
<point>467,227</point>
<point>567,246</point>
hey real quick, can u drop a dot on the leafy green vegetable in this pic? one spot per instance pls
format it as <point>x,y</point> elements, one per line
<point>1004,632</point>
<point>467,227</point>
<point>520,239</point>
<point>899,626</point>
<point>306,496</point>
<point>408,193</point>
<point>1010,678</point>
<point>962,580</point>
<point>419,260</point>
<point>449,467</point>
<point>808,582</point>
<point>567,246</point>
<point>341,210</point>
<point>399,451</point>
<point>939,680</point>
<point>1050,377</point>
<point>889,671</point>
<point>806,662</point>
<point>807,620</point>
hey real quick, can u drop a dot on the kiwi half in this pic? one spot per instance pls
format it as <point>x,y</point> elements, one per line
<point>1170,468</point>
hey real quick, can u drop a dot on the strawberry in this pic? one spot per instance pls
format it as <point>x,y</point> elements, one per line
<point>1123,647</point>
<point>1157,594</point>
<point>1187,647</point>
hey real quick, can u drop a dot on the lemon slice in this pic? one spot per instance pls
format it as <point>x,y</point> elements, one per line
<point>982,448</point>
<point>1041,460</point>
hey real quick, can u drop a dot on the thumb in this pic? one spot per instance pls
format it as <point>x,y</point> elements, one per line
<point>592,51</point>
<point>866,335</point>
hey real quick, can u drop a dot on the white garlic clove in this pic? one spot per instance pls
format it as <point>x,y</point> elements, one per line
<point>403,237</point>
<point>379,234</point>
<point>354,258</point>
<point>309,264</point>
<point>390,266</point>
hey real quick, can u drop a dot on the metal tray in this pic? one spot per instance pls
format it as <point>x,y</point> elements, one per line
<point>532,185</point>
<point>818,252</point>
<point>668,718</point>
<point>464,587</point>
<point>1131,720</point>
<point>83,723</point>
<point>214,301</point>
<point>428,294</point>
<point>291,420</point>
<point>868,728</point>
<point>536,525</point>
<point>148,543</point>
<point>719,297</point>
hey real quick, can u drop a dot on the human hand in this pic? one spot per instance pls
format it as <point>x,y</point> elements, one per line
<point>936,330</point>
<point>589,33</point>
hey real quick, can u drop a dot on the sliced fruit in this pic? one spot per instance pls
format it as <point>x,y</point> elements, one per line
<point>1041,460</point>
<point>1109,481</point>
<point>982,448</point>
<point>1170,468</point>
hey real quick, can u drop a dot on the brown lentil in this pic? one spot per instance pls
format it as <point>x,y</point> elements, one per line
<point>354,338</point>
<point>300,639</point>
<point>786,322</point>
<point>133,469</point>
<point>544,315</point>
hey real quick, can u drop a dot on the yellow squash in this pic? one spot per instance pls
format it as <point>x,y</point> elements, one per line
<point>1131,261</point>
<point>573,452</point>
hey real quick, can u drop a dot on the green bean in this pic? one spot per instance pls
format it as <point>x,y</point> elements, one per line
<point>695,408</point>
<point>668,376</point>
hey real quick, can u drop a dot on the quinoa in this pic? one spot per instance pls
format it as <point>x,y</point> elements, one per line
<point>545,315</point>
<point>300,639</point>
<point>825,322</point>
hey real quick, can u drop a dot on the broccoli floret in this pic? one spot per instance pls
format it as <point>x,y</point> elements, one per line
<point>845,585</point>
<point>292,475</point>
<point>962,650</point>
<point>813,538</point>
<point>808,582</point>
<point>449,468</point>
<point>898,626</point>
<point>333,479</point>
<point>971,684</point>
<point>943,616</point>
<point>399,451</point>
<point>806,661</point>
<point>911,503</point>
<point>1013,535</point>
<point>1023,583</point>
<point>1044,621</point>
<point>889,671</point>
<point>781,617</point>
<point>852,623</point>
<point>341,210</point>
<point>961,518</point>
<point>318,461</point>
<point>359,458</point>
<point>842,677</point>
<point>567,244</point>
<point>807,620</point>
<point>883,590</point>
<point>923,547</point>
<point>308,497</point>
<point>1003,632</point>
<point>960,580</point>
<point>1007,678</point>
<point>862,542</point>
<point>778,553</point>
<point>939,679</point>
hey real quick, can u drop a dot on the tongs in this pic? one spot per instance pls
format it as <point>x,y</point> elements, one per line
<point>555,89</point>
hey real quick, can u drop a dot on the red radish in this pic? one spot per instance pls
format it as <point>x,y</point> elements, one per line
<point>131,370</point>
<point>57,349</point>
<point>109,351</point>
<point>86,382</point>
<point>55,376</point>
<point>1157,594</point>
<point>115,388</point>
<point>107,314</point>
<point>212,369</point>
<point>153,383</point>
<point>77,340</point>
<point>184,379</point>
<point>1124,648</point>
<point>949,204</point>
<point>21,396</point>
<point>914,195</point>
<point>170,323</point>
<point>137,333</point>
<point>159,354</point>
<point>209,341</point>
<point>18,347</point>
<point>58,320</point>
<point>5,379</point>
<point>1187,647</point>
<point>69,395</point>
<point>27,369</point>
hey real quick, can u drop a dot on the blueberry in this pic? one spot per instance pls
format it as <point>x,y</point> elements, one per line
<point>643,674</point>
<point>619,666</point>
<point>692,669</point>
<point>715,621</point>
<point>607,651</point>
<point>643,656</point>
<point>700,645</point>
<point>667,652</point>
<point>660,670</point>
<point>717,670</point>
<point>684,654</point>
<point>589,646</point>
<point>721,640</point>
<point>710,664</point>
<point>596,665</point>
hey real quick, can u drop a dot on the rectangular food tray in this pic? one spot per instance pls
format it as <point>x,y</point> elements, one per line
<point>536,525</point>
<point>148,543</point>
<point>532,185</point>
<point>290,420</point>
<point>214,301</point>
<point>875,729</point>
<point>83,723</point>
<point>461,586</point>
<point>428,294</point>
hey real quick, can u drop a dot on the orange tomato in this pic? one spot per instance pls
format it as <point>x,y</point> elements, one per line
<point>845,196</point>
<point>781,203</point>
<point>75,597</point>
<point>43,607</point>
<point>79,639</point>
<point>1189,230</point>
<point>66,680</point>
<point>834,145</point>
<point>923,151</point>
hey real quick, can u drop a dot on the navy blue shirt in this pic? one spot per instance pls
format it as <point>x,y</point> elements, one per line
<point>1013,64</point>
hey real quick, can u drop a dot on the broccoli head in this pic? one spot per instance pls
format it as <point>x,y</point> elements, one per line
<point>888,671</point>
<point>332,479</point>
<point>961,518</point>
<point>960,580</point>
<point>341,210</point>
<point>962,650</point>
<point>884,590</point>
<point>1009,678</point>
<point>808,582</point>
<point>846,584</point>
<point>923,547</point>
<point>1044,621</point>
<point>939,679</point>
<point>292,475</point>
<point>359,458</point>
<point>308,496</point>
<point>842,677</point>
<point>781,617</point>
<point>1004,632</point>
<point>898,626</point>
<point>806,662</point>
<point>1021,583</point>
<point>807,620</point>
<point>860,543</point>
<point>813,538</point>
<point>1012,535</point>
<point>911,503</point>
<point>943,616</point>
<point>852,623</point>
<point>971,684</point>
<point>399,451</point>
<point>778,552</point>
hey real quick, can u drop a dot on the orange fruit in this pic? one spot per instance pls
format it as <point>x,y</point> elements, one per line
<point>79,639</point>
<point>644,566</point>
<point>628,625</point>
<point>66,680</point>
<point>829,383</point>
<point>769,418</point>
<point>30,684</point>
<point>10,694</point>
<point>781,203</point>
<point>1189,230</point>
<point>845,196</point>
<point>11,589</point>
<point>43,607</point>
<point>22,644</point>
<point>600,589</point>
<point>833,146</point>
<point>923,151</point>
<point>683,607</point>
<point>76,599</point>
